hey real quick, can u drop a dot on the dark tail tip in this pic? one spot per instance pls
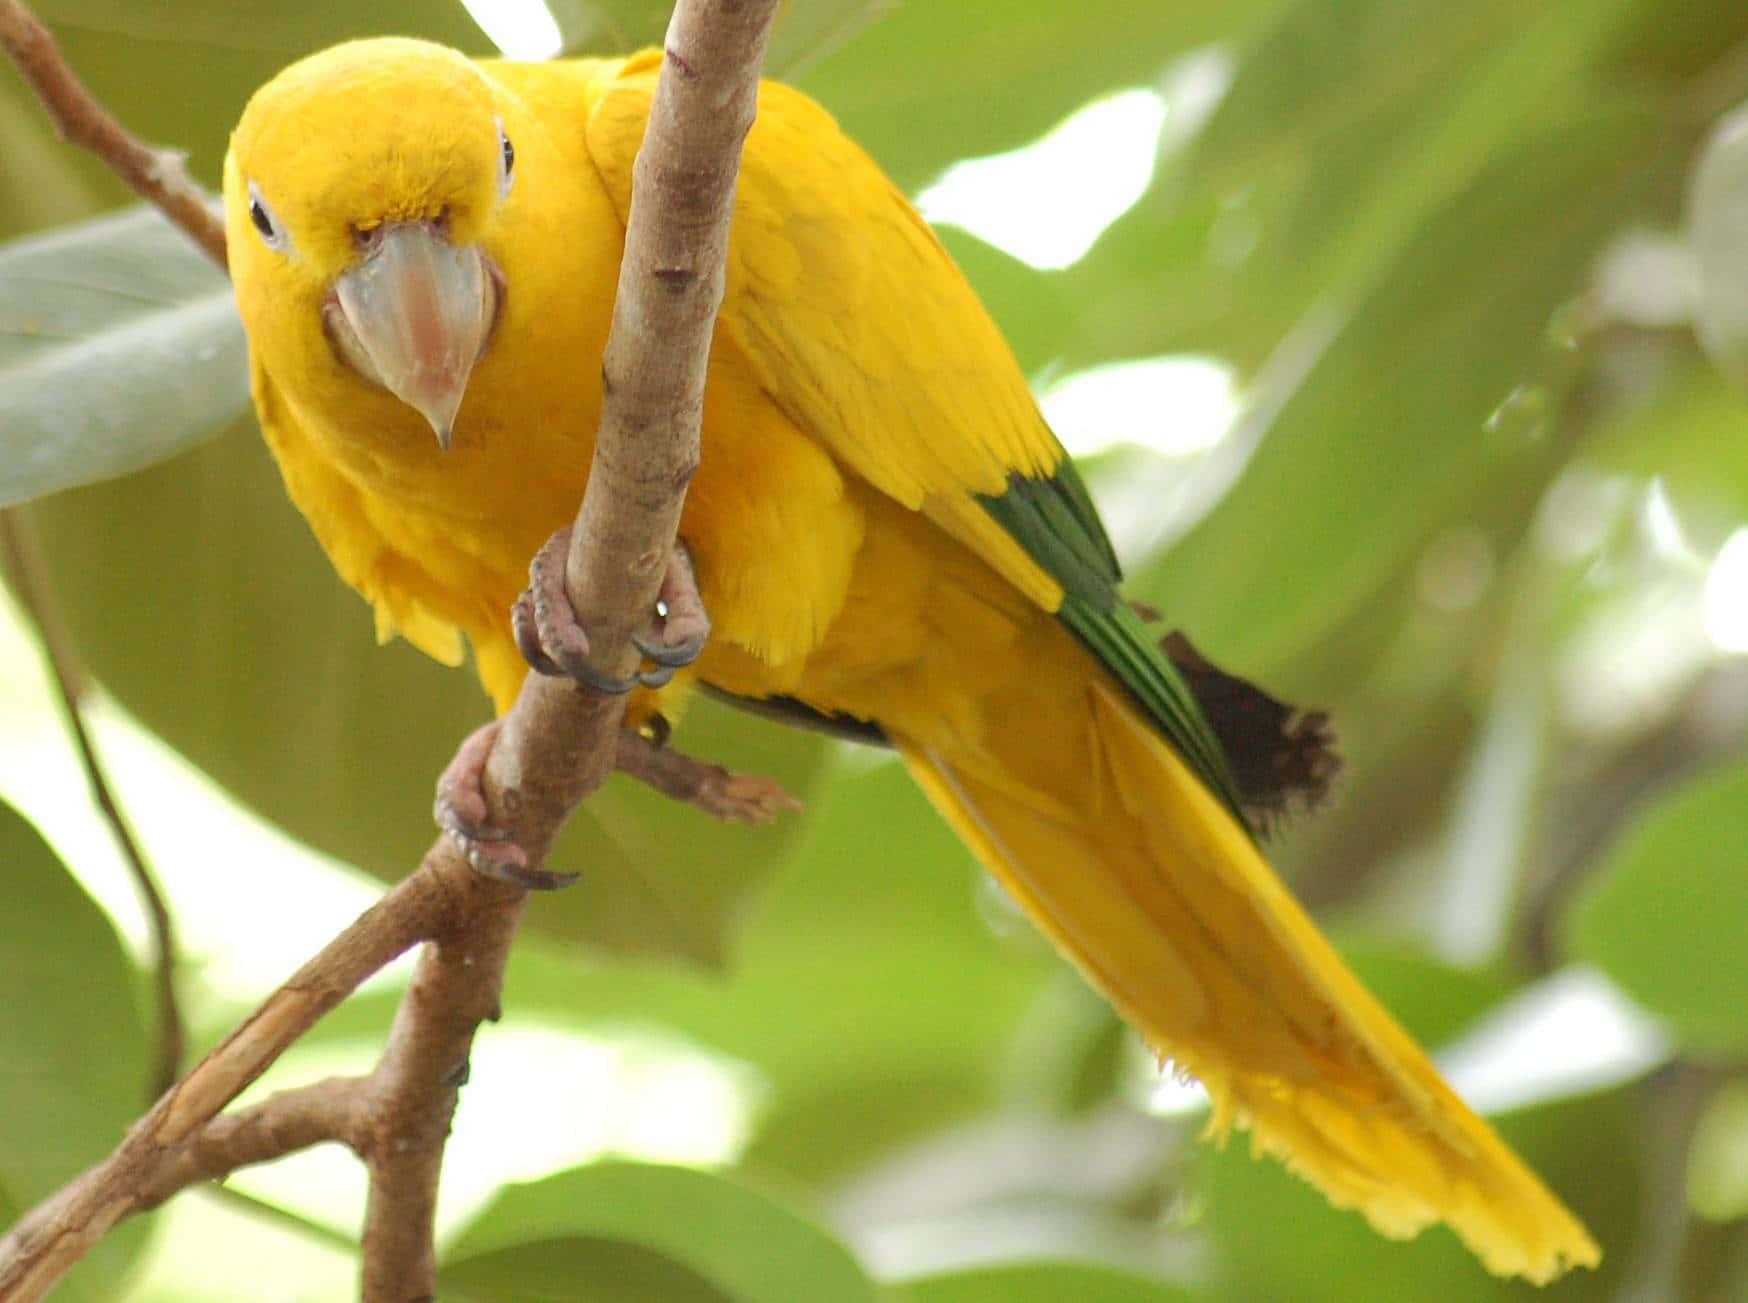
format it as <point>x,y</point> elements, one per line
<point>1281,757</point>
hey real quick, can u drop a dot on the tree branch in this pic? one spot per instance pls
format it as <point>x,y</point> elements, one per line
<point>158,175</point>
<point>281,1124</point>
<point>413,1091</point>
<point>557,742</point>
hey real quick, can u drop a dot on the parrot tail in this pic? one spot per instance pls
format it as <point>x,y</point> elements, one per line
<point>1139,874</point>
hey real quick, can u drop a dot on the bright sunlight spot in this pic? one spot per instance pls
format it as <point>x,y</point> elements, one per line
<point>1046,203</point>
<point>1726,596</point>
<point>522,29</point>
<point>632,1092</point>
<point>1173,405</point>
<point>1570,1033</point>
<point>1662,525</point>
<point>237,867</point>
<point>1176,1095</point>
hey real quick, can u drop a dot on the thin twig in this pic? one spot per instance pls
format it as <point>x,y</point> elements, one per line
<point>158,175</point>
<point>24,567</point>
<point>283,1123</point>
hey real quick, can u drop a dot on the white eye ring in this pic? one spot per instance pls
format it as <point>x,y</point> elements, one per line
<point>268,226</point>
<point>506,160</point>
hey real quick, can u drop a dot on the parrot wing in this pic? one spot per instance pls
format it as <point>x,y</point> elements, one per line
<point>867,337</point>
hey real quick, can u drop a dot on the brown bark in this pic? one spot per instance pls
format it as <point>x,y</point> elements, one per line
<point>557,743</point>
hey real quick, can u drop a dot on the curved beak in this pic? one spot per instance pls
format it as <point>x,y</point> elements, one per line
<point>414,317</point>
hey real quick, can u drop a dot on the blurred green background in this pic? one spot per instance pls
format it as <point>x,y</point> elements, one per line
<point>1468,286</point>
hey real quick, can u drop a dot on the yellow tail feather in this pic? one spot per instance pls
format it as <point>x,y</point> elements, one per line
<point>1146,881</point>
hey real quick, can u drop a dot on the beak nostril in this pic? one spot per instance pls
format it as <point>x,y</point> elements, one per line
<point>366,238</point>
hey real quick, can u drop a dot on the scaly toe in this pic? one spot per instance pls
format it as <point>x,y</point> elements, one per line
<point>460,811</point>
<point>546,628</point>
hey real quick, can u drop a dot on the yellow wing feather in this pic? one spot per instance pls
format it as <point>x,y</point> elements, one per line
<point>1140,875</point>
<point>848,313</point>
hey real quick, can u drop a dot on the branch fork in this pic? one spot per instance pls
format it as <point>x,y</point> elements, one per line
<point>555,745</point>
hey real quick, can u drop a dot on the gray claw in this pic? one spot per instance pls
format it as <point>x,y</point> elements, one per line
<point>670,655</point>
<point>553,644</point>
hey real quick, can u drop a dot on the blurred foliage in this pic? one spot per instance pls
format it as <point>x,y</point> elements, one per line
<point>693,1236</point>
<point>72,1015</point>
<point>1663,913</point>
<point>1479,271</point>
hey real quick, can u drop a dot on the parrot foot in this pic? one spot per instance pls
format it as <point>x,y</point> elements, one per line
<point>554,644</point>
<point>731,797</point>
<point>681,623</point>
<point>461,813</point>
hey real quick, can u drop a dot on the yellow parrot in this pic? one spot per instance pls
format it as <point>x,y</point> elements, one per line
<point>885,534</point>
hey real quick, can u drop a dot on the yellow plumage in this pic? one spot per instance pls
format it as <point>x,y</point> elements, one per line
<point>861,407</point>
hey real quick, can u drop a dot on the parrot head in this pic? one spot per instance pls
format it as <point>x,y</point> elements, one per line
<point>360,189</point>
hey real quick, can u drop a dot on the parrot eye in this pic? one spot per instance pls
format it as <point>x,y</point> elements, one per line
<point>506,161</point>
<point>272,233</point>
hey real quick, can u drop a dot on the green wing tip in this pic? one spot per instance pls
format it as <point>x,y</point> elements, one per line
<point>1256,754</point>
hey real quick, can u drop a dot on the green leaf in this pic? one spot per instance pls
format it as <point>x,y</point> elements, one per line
<point>1045,1282</point>
<point>1346,125</point>
<point>1434,1000</point>
<point>731,1241</point>
<point>1717,214</point>
<point>268,26</point>
<point>1035,317</point>
<point>1717,1156</point>
<point>991,75</point>
<point>801,34</point>
<point>1689,434</point>
<point>868,990</point>
<point>41,183</point>
<point>663,878</point>
<point>73,1070</point>
<point>119,346</point>
<point>1663,914</point>
<point>1428,397</point>
<point>217,54</point>
<point>1675,42</point>
<point>578,1269</point>
<point>232,638</point>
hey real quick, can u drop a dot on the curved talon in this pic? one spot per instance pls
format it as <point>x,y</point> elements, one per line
<point>464,832</point>
<point>460,811</point>
<point>555,645</point>
<point>669,655</point>
<point>520,875</point>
